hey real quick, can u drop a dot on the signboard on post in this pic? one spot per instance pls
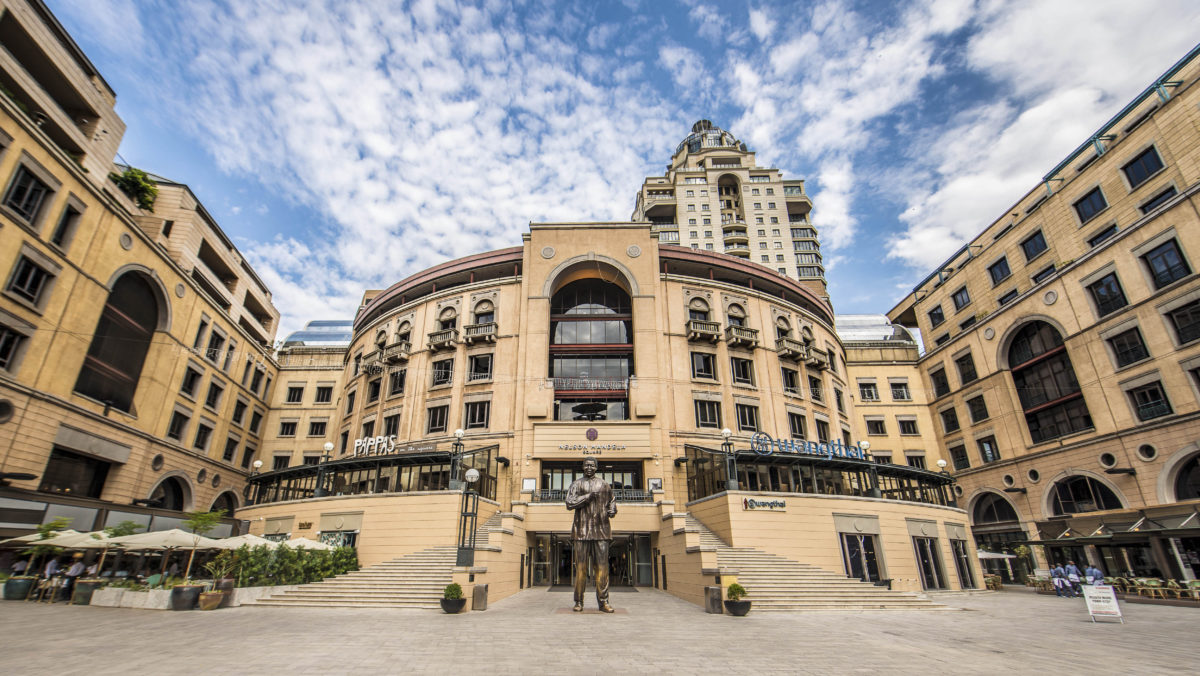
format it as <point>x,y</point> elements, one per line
<point>1102,601</point>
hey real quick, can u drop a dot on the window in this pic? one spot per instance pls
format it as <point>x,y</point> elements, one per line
<point>350,402</point>
<point>65,230</point>
<point>876,427</point>
<point>917,461</point>
<point>1107,294</point>
<point>203,434</point>
<point>1103,235</point>
<point>247,456</point>
<point>1150,401</point>
<point>191,379</point>
<point>966,369</point>
<point>1045,383</point>
<point>28,281</point>
<point>230,453</point>
<point>479,367</point>
<point>177,426</point>
<point>1076,494</point>
<point>373,389</point>
<point>437,419</point>
<point>1186,320</point>
<point>391,425</point>
<point>796,425</point>
<point>814,386</point>
<point>344,441</point>
<point>324,394</point>
<point>936,316</point>
<point>368,429</point>
<point>770,205</point>
<point>10,345</point>
<point>822,432</point>
<point>239,412</point>
<point>703,365</point>
<point>396,382</point>
<point>949,420</point>
<point>1043,274</point>
<point>214,395</point>
<point>215,342</point>
<point>747,417</point>
<point>1142,167</point>
<point>202,331</point>
<point>316,428</point>
<point>113,365</point>
<point>1158,200</point>
<point>743,370</point>
<point>977,408</point>
<point>311,460</point>
<point>708,414</point>
<point>1128,347</point>
<point>900,391</point>
<point>999,271</point>
<point>1089,205</point>
<point>477,415</point>
<point>941,384</point>
<point>255,421</point>
<point>287,428</point>
<point>942,339</point>
<point>961,298</point>
<point>1033,245</point>
<point>958,455</point>
<point>295,394</point>
<point>837,397</point>
<point>443,372</point>
<point>988,452</point>
<point>74,474</point>
<point>1008,297</point>
<point>1166,264</point>
<point>26,195</point>
<point>967,323</point>
<point>256,380</point>
<point>868,392</point>
<point>280,462</point>
<point>167,227</point>
<point>908,427</point>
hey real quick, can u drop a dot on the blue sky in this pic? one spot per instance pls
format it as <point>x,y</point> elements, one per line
<point>344,146</point>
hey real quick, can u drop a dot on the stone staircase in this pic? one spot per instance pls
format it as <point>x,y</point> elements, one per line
<point>779,584</point>
<point>486,529</point>
<point>413,581</point>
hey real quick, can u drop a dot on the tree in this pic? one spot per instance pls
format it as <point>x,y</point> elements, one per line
<point>45,532</point>
<point>123,528</point>
<point>202,522</point>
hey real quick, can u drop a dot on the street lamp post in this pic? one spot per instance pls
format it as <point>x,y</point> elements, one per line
<point>320,490</point>
<point>257,487</point>
<point>456,457</point>
<point>949,488</point>
<point>731,478</point>
<point>468,517</point>
<point>866,449</point>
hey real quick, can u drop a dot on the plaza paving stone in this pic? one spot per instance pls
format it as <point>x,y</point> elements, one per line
<point>525,634</point>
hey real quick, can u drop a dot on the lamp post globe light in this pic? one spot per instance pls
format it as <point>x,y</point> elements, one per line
<point>320,491</point>
<point>731,481</point>
<point>456,454</point>
<point>941,463</point>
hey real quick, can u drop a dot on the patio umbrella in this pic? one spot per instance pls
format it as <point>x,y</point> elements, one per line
<point>33,537</point>
<point>248,540</point>
<point>94,540</point>
<point>169,541</point>
<point>307,544</point>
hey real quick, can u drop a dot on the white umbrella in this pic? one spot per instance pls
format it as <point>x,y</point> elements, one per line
<point>248,540</point>
<point>34,537</point>
<point>169,540</point>
<point>94,540</point>
<point>307,544</point>
<point>995,555</point>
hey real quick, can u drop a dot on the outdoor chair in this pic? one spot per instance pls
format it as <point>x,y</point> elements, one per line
<point>1123,586</point>
<point>1189,589</point>
<point>153,580</point>
<point>1152,588</point>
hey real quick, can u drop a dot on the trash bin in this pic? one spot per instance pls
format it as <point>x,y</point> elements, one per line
<point>712,601</point>
<point>479,597</point>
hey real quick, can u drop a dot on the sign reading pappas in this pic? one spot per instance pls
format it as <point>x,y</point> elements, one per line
<point>1102,601</point>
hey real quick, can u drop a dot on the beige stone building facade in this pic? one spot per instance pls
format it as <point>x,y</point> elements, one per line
<point>1062,350</point>
<point>135,345</point>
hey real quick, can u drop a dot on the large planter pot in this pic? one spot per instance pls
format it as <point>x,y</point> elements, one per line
<point>453,606</point>
<point>211,600</point>
<point>84,590</point>
<point>184,597</point>
<point>17,588</point>
<point>737,608</point>
<point>225,586</point>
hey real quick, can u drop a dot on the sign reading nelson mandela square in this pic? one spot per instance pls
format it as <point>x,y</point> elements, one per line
<point>763,444</point>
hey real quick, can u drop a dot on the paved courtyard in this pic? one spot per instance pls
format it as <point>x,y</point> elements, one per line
<point>527,634</point>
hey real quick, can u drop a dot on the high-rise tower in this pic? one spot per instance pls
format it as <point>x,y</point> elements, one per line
<point>715,197</point>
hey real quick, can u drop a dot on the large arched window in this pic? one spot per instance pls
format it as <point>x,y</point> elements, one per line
<point>993,508</point>
<point>122,338</point>
<point>226,501</point>
<point>1187,481</point>
<point>170,494</point>
<point>591,350</point>
<point>1046,384</point>
<point>1077,494</point>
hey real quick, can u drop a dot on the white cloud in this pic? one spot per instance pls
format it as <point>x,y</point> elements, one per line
<point>761,24</point>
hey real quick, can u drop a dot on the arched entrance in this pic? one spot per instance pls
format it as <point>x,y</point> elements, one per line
<point>997,528</point>
<point>226,501</point>
<point>171,493</point>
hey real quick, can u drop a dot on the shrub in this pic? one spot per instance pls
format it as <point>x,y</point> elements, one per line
<point>735,592</point>
<point>453,591</point>
<point>138,186</point>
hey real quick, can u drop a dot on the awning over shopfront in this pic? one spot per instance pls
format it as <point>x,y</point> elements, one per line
<point>1120,526</point>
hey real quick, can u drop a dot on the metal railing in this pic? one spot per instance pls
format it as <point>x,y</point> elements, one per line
<point>1154,409</point>
<point>700,329</point>
<point>791,348</point>
<point>621,495</point>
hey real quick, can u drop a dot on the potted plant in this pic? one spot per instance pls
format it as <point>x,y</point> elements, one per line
<point>221,567</point>
<point>453,600</point>
<point>185,594</point>
<point>735,605</point>
<point>19,587</point>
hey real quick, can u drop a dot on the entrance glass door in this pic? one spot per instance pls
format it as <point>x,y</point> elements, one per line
<point>962,563</point>
<point>929,563</point>
<point>858,555</point>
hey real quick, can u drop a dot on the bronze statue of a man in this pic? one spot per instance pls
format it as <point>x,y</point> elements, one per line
<point>592,500</point>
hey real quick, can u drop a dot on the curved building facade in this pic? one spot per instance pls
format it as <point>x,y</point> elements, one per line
<point>712,391</point>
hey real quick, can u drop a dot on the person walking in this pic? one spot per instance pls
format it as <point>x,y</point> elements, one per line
<point>1074,576</point>
<point>1093,575</point>
<point>1058,577</point>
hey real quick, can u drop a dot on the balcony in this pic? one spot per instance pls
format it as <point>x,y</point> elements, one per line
<point>741,336</point>
<point>1153,409</point>
<point>620,494</point>
<point>443,340</point>
<point>479,333</point>
<point>818,359</point>
<point>699,329</point>
<point>790,348</point>
<point>591,384</point>
<point>741,249</point>
<point>660,199</point>
<point>397,352</point>
<point>668,236</point>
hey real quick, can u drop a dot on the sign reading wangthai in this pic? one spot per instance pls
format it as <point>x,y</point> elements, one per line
<point>387,445</point>
<point>763,444</point>
<point>750,504</point>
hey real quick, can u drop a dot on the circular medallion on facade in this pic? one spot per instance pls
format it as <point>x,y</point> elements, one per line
<point>633,251</point>
<point>216,480</point>
<point>592,434</point>
<point>1050,297</point>
<point>157,463</point>
<point>201,476</point>
<point>989,333</point>
<point>924,529</point>
<point>547,252</point>
<point>126,241</point>
<point>180,290</point>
